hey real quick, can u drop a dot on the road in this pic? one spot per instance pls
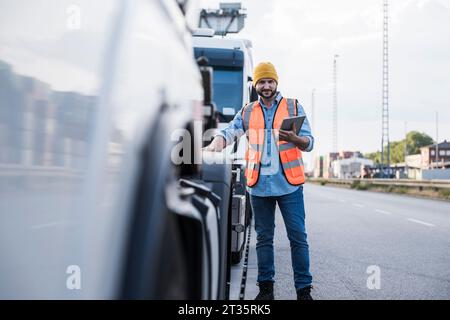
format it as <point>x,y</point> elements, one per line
<point>407,240</point>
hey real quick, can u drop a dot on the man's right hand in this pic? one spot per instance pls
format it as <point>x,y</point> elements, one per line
<point>217,145</point>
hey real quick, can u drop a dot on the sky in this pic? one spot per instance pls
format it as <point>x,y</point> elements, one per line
<point>301,37</point>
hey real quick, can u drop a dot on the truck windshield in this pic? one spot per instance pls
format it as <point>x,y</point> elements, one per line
<point>227,83</point>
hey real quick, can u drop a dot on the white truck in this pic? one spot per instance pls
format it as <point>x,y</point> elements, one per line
<point>92,96</point>
<point>231,60</point>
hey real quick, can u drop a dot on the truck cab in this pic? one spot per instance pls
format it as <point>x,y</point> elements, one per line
<point>232,64</point>
<point>92,203</point>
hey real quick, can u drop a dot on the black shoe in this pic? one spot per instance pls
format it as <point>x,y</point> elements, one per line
<point>304,293</point>
<point>265,291</point>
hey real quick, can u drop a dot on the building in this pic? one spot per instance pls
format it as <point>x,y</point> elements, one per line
<point>428,154</point>
<point>350,154</point>
<point>326,164</point>
<point>349,168</point>
<point>413,166</point>
<point>318,167</point>
<point>324,168</point>
<point>424,166</point>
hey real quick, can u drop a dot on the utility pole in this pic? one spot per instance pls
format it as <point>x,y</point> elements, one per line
<point>385,145</point>
<point>437,138</point>
<point>406,147</point>
<point>335,105</point>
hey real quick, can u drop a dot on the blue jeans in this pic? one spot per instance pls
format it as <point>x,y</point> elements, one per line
<point>293,211</point>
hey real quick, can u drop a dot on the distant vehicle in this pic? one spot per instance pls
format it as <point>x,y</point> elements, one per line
<point>383,173</point>
<point>91,204</point>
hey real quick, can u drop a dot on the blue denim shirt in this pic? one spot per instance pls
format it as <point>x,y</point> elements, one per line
<point>272,181</point>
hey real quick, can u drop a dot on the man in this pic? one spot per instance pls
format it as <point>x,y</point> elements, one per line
<point>271,181</point>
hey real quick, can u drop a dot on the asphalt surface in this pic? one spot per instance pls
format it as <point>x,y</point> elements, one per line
<point>356,235</point>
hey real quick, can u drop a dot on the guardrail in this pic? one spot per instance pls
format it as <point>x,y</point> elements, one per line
<point>420,184</point>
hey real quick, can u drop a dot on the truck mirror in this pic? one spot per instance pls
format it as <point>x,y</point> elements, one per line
<point>253,94</point>
<point>182,5</point>
<point>207,81</point>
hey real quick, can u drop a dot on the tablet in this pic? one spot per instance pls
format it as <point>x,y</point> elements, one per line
<point>289,122</point>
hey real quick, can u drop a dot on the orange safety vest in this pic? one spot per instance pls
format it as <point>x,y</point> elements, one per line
<point>290,155</point>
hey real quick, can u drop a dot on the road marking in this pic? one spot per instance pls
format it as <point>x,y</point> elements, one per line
<point>382,211</point>
<point>358,205</point>
<point>421,222</point>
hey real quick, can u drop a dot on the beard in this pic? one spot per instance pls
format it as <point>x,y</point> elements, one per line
<point>267,94</point>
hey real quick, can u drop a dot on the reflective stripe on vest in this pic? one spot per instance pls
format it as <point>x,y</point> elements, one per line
<point>254,126</point>
<point>246,115</point>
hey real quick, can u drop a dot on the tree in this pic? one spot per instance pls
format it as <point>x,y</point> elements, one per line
<point>397,151</point>
<point>414,141</point>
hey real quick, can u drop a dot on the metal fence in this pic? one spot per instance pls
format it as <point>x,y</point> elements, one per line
<point>420,184</point>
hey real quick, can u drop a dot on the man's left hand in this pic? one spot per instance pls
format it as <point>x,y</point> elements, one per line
<point>292,137</point>
<point>289,136</point>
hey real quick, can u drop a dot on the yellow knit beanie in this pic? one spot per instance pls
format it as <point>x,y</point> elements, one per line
<point>264,70</point>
